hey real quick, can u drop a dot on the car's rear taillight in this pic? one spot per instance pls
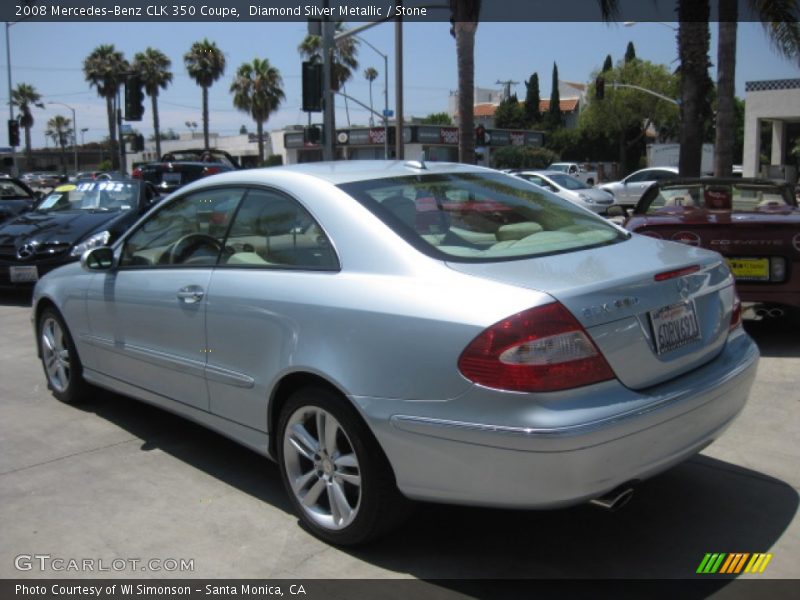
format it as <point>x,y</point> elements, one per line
<point>736,313</point>
<point>137,173</point>
<point>212,170</point>
<point>543,349</point>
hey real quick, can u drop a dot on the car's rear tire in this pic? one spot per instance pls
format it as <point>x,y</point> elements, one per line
<point>60,361</point>
<point>338,479</point>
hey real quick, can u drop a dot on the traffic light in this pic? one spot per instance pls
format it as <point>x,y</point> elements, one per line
<point>312,134</point>
<point>480,135</point>
<point>13,132</point>
<point>312,86</point>
<point>134,99</point>
<point>136,142</point>
<point>599,88</point>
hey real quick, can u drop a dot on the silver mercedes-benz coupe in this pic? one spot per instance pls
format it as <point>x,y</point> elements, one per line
<point>391,331</point>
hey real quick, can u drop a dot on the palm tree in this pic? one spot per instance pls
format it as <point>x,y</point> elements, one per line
<point>205,64</point>
<point>465,15</point>
<point>152,67</point>
<point>106,69</point>
<point>59,129</point>
<point>257,90</point>
<point>370,74</point>
<point>343,63</point>
<point>780,19</point>
<point>24,96</point>
<point>693,41</point>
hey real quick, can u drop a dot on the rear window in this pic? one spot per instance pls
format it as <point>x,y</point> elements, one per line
<point>745,197</point>
<point>479,217</point>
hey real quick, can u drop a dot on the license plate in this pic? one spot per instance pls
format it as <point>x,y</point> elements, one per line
<point>23,274</point>
<point>674,326</point>
<point>750,269</point>
<point>171,178</point>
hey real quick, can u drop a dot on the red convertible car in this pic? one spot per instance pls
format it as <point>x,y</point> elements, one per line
<point>753,223</point>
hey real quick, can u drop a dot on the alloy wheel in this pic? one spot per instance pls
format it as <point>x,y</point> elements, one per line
<point>322,468</point>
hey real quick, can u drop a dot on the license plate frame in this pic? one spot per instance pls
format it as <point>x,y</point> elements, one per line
<point>171,178</point>
<point>674,326</point>
<point>24,274</point>
<point>747,268</point>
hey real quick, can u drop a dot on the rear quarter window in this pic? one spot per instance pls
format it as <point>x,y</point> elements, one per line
<point>480,217</point>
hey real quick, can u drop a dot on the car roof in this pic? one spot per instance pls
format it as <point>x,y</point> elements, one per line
<point>347,171</point>
<point>545,172</point>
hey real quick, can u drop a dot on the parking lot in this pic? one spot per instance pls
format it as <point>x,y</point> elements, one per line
<point>117,479</point>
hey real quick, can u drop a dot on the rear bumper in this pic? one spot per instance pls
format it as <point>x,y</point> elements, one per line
<point>763,295</point>
<point>493,451</point>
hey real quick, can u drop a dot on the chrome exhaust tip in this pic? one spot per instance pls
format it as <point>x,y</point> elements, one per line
<point>776,313</point>
<point>613,500</point>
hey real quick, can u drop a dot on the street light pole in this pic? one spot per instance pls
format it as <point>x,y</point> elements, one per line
<point>74,132</point>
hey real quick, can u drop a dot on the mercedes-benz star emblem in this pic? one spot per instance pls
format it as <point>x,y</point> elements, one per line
<point>26,251</point>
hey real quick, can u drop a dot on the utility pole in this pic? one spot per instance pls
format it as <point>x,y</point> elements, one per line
<point>328,107</point>
<point>506,87</point>
<point>399,146</point>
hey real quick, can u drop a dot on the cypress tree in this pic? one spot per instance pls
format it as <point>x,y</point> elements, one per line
<point>630,53</point>
<point>555,101</point>
<point>532,99</point>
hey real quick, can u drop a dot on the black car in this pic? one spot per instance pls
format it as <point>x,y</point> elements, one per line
<point>15,198</point>
<point>68,221</point>
<point>176,169</point>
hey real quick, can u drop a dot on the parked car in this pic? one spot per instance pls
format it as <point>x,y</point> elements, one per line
<point>15,198</point>
<point>570,188</point>
<point>68,221</point>
<point>47,179</point>
<point>628,191</point>
<point>753,223</point>
<point>576,170</point>
<point>176,169</point>
<point>499,355</point>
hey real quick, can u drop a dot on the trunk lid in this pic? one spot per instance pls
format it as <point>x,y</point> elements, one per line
<point>640,322</point>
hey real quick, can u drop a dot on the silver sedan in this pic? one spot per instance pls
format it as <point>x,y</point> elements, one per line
<point>570,188</point>
<point>392,331</point>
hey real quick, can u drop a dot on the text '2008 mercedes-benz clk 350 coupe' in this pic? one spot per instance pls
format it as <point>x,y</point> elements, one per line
<point>391,331</point>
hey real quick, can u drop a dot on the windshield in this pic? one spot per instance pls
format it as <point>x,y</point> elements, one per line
<point>91,195</point>
<point>563,167</point>
<point>480,217</point>
<point>727,197</point>
<point>11,191</point>
<point>570,183</point>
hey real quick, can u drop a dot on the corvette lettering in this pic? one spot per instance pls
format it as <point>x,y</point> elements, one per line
<point>747,242</point>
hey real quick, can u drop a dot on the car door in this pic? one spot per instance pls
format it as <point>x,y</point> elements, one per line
<point>264,291</point>
<point>149,313</point>
<point>634,186</point>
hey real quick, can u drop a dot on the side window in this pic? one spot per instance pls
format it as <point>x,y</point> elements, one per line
<point>637,177</point>
<point>188,231</point>
<point>273,230</point>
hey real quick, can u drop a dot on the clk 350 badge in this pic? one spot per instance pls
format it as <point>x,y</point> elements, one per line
<point>610,307</point>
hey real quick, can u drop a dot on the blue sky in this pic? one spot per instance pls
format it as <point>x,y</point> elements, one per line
<point>49,56</point>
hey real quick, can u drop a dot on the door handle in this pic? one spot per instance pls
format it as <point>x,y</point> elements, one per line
<point>190,294</point>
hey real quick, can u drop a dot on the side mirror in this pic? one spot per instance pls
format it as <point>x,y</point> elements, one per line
<point>617,210</point>
<point>98,259</point>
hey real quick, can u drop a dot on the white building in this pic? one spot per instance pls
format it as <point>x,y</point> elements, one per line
<point>776,102</point>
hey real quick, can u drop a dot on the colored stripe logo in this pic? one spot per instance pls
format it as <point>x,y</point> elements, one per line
<point>733,563</point>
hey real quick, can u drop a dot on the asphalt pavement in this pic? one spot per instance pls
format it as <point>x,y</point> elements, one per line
<point>115,479</point>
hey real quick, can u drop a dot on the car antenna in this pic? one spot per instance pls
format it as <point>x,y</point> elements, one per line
<point>418,164</point>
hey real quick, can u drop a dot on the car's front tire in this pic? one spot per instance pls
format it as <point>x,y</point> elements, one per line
<point>60,361</point>
<point>338,479</point>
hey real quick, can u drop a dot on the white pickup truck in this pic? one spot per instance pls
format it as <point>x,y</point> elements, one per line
<point>575,170</point>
